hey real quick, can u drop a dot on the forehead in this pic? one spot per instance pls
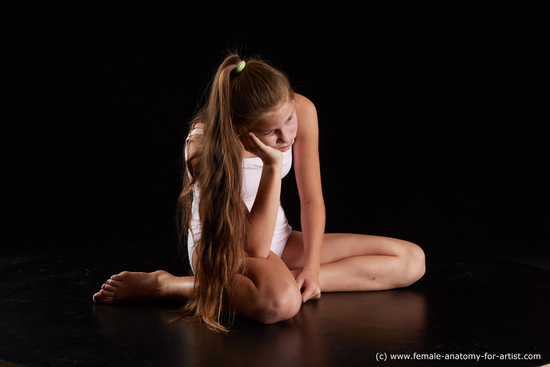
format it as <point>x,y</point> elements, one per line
<point>278,116</point>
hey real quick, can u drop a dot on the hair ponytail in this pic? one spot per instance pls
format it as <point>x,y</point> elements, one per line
<point>235,100</point>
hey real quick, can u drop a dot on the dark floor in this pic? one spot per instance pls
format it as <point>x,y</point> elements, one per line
<point>466,306</point>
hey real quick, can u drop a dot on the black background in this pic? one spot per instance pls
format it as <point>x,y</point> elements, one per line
<point>430,119</point>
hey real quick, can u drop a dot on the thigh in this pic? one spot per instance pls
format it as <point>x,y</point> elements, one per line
<point>339,246</point>
<point>266,275</point>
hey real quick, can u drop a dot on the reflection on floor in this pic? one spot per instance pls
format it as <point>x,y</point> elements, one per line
<point>491,311</point>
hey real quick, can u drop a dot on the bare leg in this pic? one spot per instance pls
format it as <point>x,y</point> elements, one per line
<point>131,286</point>
<point>351,262</point>
<point>267,293</point>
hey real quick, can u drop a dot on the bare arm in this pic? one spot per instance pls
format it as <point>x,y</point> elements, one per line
<point>312,206</point>
<point>263,214</point>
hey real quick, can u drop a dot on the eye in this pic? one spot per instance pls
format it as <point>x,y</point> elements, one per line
<point>268,133</point>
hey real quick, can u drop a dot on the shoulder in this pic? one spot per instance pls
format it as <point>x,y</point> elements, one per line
<point>303,105</point>
<point>307,117</point>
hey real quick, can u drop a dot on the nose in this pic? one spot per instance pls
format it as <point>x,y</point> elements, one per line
<point>284,137</point>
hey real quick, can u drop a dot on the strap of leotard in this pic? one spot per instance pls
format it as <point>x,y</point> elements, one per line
<point>195,132</point>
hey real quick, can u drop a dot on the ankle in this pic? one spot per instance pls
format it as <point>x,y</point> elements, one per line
<point>162,284</point>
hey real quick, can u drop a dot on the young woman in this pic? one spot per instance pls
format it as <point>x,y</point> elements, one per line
<point>244,255</point>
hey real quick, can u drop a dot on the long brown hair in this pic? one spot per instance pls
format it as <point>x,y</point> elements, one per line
<point>235,103</point>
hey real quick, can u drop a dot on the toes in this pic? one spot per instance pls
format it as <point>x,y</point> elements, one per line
<point>114,283</point>
<point>104,299</point>
<point>101,297</point>
<point>107,293</point>
<point>108,288</point>
<point>119,276</point>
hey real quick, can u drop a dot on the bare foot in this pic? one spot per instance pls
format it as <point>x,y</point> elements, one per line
<point>130,286</point>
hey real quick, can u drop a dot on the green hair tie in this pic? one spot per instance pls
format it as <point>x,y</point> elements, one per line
<point>240,67</point>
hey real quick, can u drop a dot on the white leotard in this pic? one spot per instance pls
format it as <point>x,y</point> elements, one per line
<point>252,172</point>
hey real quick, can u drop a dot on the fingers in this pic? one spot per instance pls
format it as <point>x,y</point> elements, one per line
<point>309,290</point>
<point>252,143</point>
<point>266,153</point>
<point>310,293</point>
<point>256,140</point>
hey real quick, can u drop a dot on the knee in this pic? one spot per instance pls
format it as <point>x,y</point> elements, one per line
<point>414,264</point>
<point>279,305</point>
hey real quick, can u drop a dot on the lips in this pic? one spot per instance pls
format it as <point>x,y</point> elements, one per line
<point>284,149</point>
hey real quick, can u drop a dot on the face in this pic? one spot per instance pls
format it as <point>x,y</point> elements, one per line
<point>278,130</point>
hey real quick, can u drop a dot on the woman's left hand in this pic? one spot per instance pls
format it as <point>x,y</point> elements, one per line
<point>308,282</point>
<point>267,154</point>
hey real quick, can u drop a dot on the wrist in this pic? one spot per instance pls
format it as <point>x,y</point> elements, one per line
<point>313,267</point>
<point>275,164</point>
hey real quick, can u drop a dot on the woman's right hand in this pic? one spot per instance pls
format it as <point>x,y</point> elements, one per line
<point>267,154</point>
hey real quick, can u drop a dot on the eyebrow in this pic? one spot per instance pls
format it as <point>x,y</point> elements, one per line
<point>289,117</point>
<point>291,114</point>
